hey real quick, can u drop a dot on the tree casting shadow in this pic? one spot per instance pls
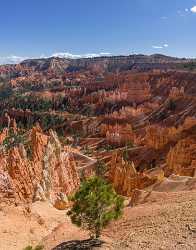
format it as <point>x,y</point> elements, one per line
<point>79,245</point>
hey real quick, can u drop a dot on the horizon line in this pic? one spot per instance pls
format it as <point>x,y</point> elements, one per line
<point>68,56</point>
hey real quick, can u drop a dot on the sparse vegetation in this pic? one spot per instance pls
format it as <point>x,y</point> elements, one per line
<point>188,66</point>
<point>100,168</point>
<point>171,105</point>
<point>5,91</point>
<point>125,154</point>
<point>34,103</point>
<point>13,140</point>
<point>38,247</point>
<point>95,205</point>
<point>108,147</point>
<point>87,151</point>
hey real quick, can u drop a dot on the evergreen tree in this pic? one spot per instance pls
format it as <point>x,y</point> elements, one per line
<point>95,205</point>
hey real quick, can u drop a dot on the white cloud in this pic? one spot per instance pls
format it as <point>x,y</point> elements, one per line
<point>65,55</point>
<point>187,10</point>
<point>160,46</point>
<point>90,55</point>
<point>12,59</point>
<point>76,56</point>
<point>105,54</point>
<point>43,56</point>
<point>193,9</point>
<point>157,47</point>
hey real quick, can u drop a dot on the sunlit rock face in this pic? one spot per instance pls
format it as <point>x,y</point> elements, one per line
<point>118,134</point>
<point>48,174</point>
<point>3,135</point>
<point>6,187</point>
<point>38,143</point>
<point>137,91</point>
<point>181,159</point>
<point>176,92</point>
<point>21,174</point>
<point>59,174</point>
<point>126,179</point>
<point>132,89</point>
<point>130,113</point>
<point>157,137</point>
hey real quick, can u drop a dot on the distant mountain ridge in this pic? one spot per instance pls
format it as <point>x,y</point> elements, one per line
<point>104,64</point>
<point>108,63</point>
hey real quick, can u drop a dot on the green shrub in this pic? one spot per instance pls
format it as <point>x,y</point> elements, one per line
<point>95,205</point>
<point>100,168</point>
<point>171,105</point>
<point>38,247</point>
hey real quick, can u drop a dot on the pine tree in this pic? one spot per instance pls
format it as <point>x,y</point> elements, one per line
<point>95,205</point>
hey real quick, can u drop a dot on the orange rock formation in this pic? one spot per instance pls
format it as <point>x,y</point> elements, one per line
<point>50,173</point>
<point>126,179</point>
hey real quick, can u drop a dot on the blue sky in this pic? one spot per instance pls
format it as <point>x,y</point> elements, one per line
<point>37,28</point>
